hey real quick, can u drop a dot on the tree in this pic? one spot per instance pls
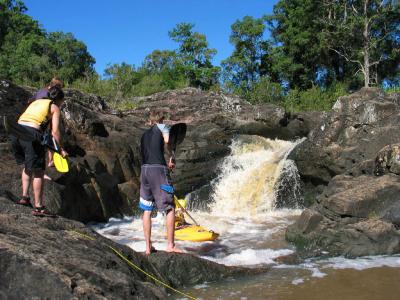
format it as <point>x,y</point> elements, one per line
<point>195,56</point>
<point>266,91</point>
<point>321,42</point>
<point>69,57</point>
<point>122,77</point>
<point>366,34</point>
<point>30,55</point>
<point>8,7</point>
<point>22,44</point>
<point>160,60</point>
<point>299,57</point>
<point>165,68</point>
<point>249,60</point>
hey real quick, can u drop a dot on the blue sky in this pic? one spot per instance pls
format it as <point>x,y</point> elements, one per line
<point>127,30</point>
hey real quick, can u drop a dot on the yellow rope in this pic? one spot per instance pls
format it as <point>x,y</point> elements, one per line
<point>135,266</point>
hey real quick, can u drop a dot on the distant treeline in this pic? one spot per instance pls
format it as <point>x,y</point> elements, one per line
<point>316,51</point>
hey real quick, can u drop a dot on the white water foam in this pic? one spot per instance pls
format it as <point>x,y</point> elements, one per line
<point>363,263</point>
<point>317,267</point>
<point>251,257</point>
<point>246,183</point>
<point>251,229</point>
<point>243,212</point>
<point>298,281</point>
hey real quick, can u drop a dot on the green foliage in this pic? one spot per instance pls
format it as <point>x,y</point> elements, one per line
<point>392,90</point>
<point>68,56</point>
<point>366,34</point>
<point>321,42</point>
<point>123,82</point>
<point>155,83</point>
<point>296,34</point>
<point>314,99</point>
<point>266,91</point>
<point>249,59</point>
<point>31,56</point>
<point>166,68</point>
<point>160,60</point>
<point>122,78</point>
<point>93,84</point>
<point>194,56</point>
<point>317,51</point>
<point>9,8</point>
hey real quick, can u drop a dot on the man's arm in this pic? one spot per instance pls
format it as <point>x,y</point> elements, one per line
<point>55,127</point>
<point>170,153</point>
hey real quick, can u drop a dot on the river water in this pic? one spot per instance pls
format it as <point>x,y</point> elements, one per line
<point>243,210</point>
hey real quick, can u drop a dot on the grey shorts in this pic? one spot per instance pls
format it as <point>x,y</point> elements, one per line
<point>151,178</point>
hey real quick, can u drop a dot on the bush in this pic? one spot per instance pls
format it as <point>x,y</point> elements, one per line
<point>118,98</point>
<point>91,84</point>
<point>154,83</point>
<point>392,90</point>
<point>266,91</point>
<point>314,99</point>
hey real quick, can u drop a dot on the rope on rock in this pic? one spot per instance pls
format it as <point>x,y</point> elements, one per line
<point>123,257</point>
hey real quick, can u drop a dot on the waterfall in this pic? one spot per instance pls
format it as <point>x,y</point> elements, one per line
<point>254,176</point>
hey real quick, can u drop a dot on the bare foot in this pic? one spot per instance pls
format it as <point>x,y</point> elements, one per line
<point>152,250</point>
<point>47,177</point>
<point>174,249</point>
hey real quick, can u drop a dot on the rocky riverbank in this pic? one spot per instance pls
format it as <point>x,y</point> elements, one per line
<point>350,166</point>
<point>48,258</point>
<point>51,258</point>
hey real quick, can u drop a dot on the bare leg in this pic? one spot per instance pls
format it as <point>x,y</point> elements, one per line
<point>26,182</point>
<point>50,162</point>
<point>171,232</point>
<point>146,218</point>
<point>38,187</point>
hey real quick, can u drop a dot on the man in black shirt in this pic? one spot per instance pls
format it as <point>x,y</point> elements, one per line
<point>154,175</point>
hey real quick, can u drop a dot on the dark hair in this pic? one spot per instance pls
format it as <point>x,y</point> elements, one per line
<point>55,81</point>
<point>156,116</point>
<point>56,93</point>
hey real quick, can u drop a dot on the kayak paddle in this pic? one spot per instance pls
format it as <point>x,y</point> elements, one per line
<point>177,134</point>
<point>184,210</point>
<point>60,162</point>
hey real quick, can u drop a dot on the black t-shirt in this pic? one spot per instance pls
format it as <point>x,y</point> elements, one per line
<point>152,147</point>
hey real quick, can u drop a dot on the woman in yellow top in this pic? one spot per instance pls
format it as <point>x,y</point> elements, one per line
<point>31,153</point>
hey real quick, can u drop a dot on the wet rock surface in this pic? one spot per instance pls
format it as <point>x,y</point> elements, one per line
<point>53,258</point>
<point>348,139</point>
<point>355,211</point>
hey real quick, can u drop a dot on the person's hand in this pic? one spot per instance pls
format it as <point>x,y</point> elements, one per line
<point>171,163</point>
<point>64,153</point>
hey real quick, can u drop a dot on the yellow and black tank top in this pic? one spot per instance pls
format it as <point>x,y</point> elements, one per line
<point>38,112</point>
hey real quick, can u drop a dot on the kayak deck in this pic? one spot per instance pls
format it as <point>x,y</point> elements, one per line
<point>190,232</point>
<point>194,233</point>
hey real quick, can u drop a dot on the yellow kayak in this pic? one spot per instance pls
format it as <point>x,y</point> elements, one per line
<point>190,232</point>
<point>194,233</point>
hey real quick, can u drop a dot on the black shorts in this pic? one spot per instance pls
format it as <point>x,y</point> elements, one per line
<point>30,153</point>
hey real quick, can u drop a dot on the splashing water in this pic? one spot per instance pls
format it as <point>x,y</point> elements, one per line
<point>242,208</point>
<point>248,178</point>
<point>254,184</point>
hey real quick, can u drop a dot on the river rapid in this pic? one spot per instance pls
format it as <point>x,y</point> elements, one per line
<point>243,210</point>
